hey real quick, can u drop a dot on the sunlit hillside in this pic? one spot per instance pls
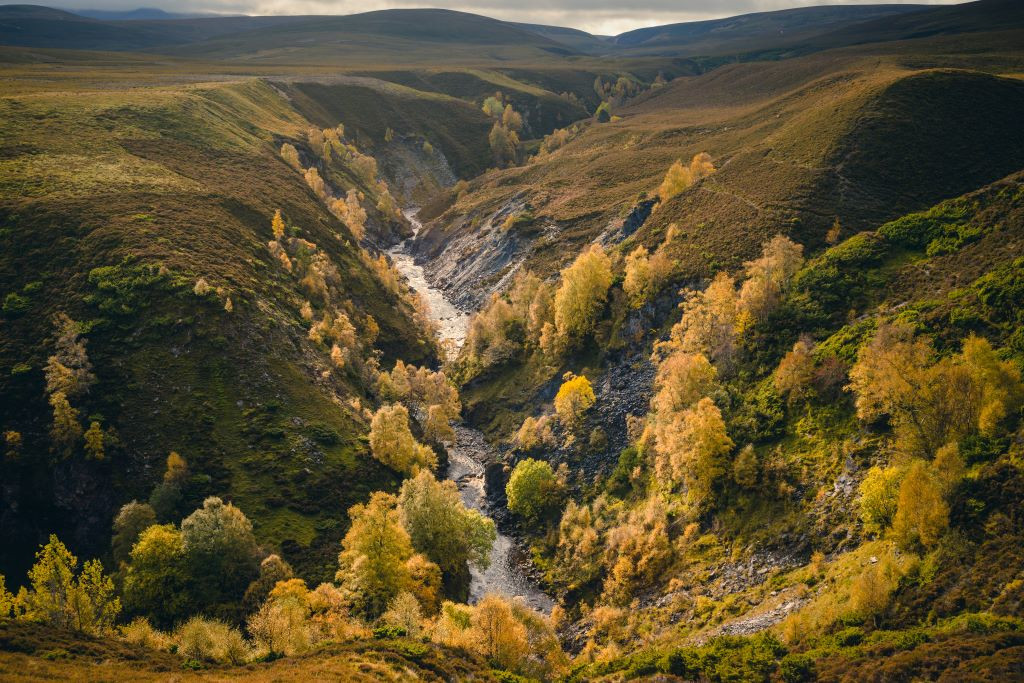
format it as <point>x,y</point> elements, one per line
<point>419,345</point>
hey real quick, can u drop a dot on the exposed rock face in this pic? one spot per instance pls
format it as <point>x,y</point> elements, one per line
<point>619,230</point>
<point>470,263</point>
<point>414,173</point>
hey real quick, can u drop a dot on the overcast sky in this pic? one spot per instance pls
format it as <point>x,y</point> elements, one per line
<point>607,17</point>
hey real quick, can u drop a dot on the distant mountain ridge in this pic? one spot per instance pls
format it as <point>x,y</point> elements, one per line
<point>387,33</point>
<point>141,14</point>
<point>779,23</point>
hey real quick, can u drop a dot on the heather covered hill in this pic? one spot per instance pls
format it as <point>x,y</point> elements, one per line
<point>38,26</point>
<point>392,36</point>
<point>749,33</point>
<point>158,213</point>
<point>797,143</point>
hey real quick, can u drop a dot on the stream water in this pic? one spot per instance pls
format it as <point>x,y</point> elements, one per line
<point>505,574</point>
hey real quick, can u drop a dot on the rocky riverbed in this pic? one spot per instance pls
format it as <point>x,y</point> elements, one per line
<point>509,569</point>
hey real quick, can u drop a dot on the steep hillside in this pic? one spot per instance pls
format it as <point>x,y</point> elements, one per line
<point>774,559</point>
<point>369,107</point>
<point>157,190</point>
<point>797,144</point>
<point>543,110</point>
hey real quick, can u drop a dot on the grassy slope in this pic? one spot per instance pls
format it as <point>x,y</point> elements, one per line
<point>751,32</point>
<point>368,107</point>
<point>32,652</point>
<point>185,178</point>
<point>959,280</point>
<point>543,111</point>
<point>787,136</point>
<point>798,143</point>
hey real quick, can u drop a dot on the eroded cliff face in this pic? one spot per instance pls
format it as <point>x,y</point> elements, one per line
<point>473,256</point>
<point>415,170</point>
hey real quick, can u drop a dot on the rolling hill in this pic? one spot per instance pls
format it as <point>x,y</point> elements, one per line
<point>37,26</point>
<point>759,31</point>
<point>390,36</point>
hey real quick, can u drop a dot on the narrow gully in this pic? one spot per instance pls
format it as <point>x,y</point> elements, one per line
<point>505,575</point>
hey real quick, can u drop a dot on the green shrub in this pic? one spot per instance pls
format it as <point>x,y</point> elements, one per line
<point>849,637</point>
<point>620,482</point>
<point>15,305</point>
<point>945,223</point>
<point>533,490</point>
<point>797,668</point>
<point>842,277</point>
<point>977,448</point>
<point>388,631</point>
<point>127,287</point>
<point>410,649</point>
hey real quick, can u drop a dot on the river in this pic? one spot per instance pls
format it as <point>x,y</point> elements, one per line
<point>466,457</point>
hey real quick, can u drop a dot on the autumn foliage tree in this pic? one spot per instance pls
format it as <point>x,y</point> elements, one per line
<point>581,295</point>
<point>510,323</point>
<point>796,372</point>
<point>291,156</point>
<point>132,519</point>
<point>638,550</point>
<point>377,560</point>
<point>871,591</point>
<point>393,444</point>
<point>933,402</point>
<point>504,144</point>
<point>574,398</point>
<point>85,601</point>
<point>708,323</point>
<point>277,225</point>
<point>68,375</point>
<point>94,439</point>
<point>534,490</point>
<point>878,495</point>
<point>272,570</point>
<point>500,637</point>
<point>692,450</point>
<point>645,275</point>
<point>768,279</point>
<point>679,176</point>
<point>157,580</point>
<point>579,555</point>
<point>681,380</point>
<point>441,527</point>
<point>282,625</point>
<point>534,433</point>
<point>351,212</point>
<point>922,514</point>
